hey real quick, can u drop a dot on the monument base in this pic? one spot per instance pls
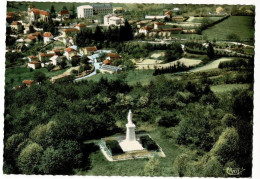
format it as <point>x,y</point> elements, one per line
<point>128,146</point>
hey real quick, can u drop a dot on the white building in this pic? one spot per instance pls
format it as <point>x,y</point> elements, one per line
<point>47,37</point>
<point>85,11</point>
<point>155,17</point>
<point>55,60</point>
<point>111,19</point>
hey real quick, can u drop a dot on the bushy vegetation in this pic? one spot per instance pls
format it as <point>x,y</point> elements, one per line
<point>114,147</point>
<point>148,143</point>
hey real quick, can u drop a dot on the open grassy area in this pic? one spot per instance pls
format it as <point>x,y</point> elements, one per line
<point>100,165</point>
<point>20,74</point>
<point>228,87</point>
<point>240,25</point>
<point>132,77</point>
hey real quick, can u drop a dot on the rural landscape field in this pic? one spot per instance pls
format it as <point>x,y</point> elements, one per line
<point>121,89</point>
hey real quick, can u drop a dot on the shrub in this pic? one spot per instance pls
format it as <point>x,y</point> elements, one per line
<point>148,143</point>
<point>114,147</point>
<point>168,121</point>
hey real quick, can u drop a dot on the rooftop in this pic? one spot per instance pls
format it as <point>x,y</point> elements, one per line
<point>47,34</point>
<point>91,48</point>
<point>28,82</point>
<point>38,11</point>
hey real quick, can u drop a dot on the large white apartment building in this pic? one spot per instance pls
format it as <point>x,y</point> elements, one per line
<point>85,11</point>
<point>88,11</point>
<point>112,19</point>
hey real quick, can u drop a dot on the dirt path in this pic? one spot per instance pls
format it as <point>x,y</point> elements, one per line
<point>66,73</point>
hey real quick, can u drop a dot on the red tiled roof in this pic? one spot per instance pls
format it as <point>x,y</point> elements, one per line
<point>34,62</point>
<point>16,23</point>
<point>70,30</point>
<point>70,49</point>
<point>32,37</point>
<point>46,54</point>
<point>64,12</point>
<point>47,34</point>
<point>33,57</point>
<point>113,55</point>
<point>38,11</point>
<point>91,48</point>
<point>146,28</point>
<point>168,13</point>
<point>37,33</point>
<point>81,25</point>
<point>28,82</point>
<point>106,62</point>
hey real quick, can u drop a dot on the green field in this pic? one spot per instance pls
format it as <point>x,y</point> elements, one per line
<point>228,87</point>
<point>20,74</point>
<point>240,25</point>
<point>100,165</point>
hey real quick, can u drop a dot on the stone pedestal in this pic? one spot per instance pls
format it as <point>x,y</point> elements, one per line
<point>130,143</point>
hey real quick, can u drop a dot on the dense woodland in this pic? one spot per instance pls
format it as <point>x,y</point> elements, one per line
<point>46,124</point>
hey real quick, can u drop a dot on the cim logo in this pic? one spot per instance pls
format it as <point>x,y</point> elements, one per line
<point>234,171</point>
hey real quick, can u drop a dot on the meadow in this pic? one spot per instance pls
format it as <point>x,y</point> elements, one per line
<point>242,26</point>
<point>17,75</point>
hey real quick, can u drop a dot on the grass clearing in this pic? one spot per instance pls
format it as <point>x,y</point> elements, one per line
<point>241,25</point>
<point>228,87</point>
<point>20,74</point>
<point>101,167</point>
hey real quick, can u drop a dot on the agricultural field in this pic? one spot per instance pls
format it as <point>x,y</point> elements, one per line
<point>228,87</point>
<point>243,26</point>
<point>200,19</point>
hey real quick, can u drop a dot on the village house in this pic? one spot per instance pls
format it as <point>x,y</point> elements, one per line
<point>155,17</point>
<point>64,14</point>
<point>168,14</point>
<point>10,16</point>
<point>112,56</point>
<point>38,15</point>
<point>34,64</point>
<point>20,47</point>
<point>58,52</point>
<point>68,32</point>
<point>70,52</point>
<point>88,50</point>
<point>81,26</point>
<point>30,39</point>
<point>45,57</point>
<point>28,83</point>
<point>47,37</point>
<point>145,30</point>
<point>158,24</point>
<point>110,69</point>
<point>55,59</point>
<point>16,26</point>
<point>33,58</point>
<point>112,19</point>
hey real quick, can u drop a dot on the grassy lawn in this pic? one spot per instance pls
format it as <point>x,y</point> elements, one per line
<point>240,25</point>
<point>228,87</point>
<point>100,166</point>
<point>20,74</point>
<point>133,76</point>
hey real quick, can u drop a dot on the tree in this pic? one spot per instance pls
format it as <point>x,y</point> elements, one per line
<point>30,158</point>
<point>52,162</point>
<point>229,120</point>
<point>210,51</point>
<point>73,12</point>
<point>39,77</point>
<point>53,13</point>
<point>213,168</point>
<point>63,62</point>
<point>64,8</point>
<point>181,163</point>
<point>152,167</point>
<point>227,146</point>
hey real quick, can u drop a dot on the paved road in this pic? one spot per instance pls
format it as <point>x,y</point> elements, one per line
<point>96,64</point>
